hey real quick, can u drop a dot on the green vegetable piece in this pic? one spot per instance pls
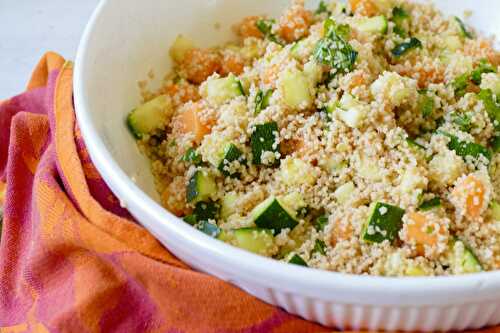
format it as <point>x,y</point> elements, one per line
<point>491,106</point>
<point>149,116</point>
<point>200,187</point>
<point>209,229</point>
<point>322,8</point>
<point>231,154</point>
<point>376,24</point>
<point>321,222</point>
<point>430,204</point>
<point>483,68</point>
<point>460,84</point>
<point>399,16</point>
<point>425,105</point>
<point>192,157</point>
<point>463,30</point>
<point>384,223</point>
<point>272,214</point>
<point>495,144</point>
<point>495,210</point>
<point>190,219</point>
<point>463,261</point>
<point>266,27</point>
<point>404,48</point>
<point>333,50</point>
<point>206,210</point>
<point>464,149</point>
<point>255,240</point>
<point>297,260</point>
<point>240,88</point>
<point>262,100</point>
<point>319,247</point>
<point>264,139</point>
<point>413,143</point>
<point>463,121</point>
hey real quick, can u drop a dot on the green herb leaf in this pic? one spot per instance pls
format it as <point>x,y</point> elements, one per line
<point>491,106</point>
<point>463,30</point>
<point>483,68</point>
<point>322,8</point>
<point>403,48</point>
<point>463,148</point>
<point>463,121</point>
<point>425,105</point>
<point>192,157</point>
<point>399,16</point>
<point>430,204</point>
<point>266,27</point>
<point>262,100</point>
<point>206,211</point>
<point>460,84</point>
<point>321,222</point>
<point>333,50</point>
<point>319,246</point>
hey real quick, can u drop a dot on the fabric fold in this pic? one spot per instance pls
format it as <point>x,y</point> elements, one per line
<point>73,260</point>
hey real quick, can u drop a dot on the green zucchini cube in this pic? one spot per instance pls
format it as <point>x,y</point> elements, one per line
<point>271,214</point>
<point>264,139</point>
<point>384,223</point>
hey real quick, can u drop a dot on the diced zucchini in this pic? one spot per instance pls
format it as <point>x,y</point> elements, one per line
<point>206,210</point>
<point>264,139</point>
<point>255,240</point>
<point>201,187</point>
<point>462,259</point>
<point>190,219</point>
<point>297,260</point>
<point>271,214</point>
<point>302,48</point>
<point>149,116</point>
<point>373,25</point>
<point>319,247</point>
<point>321,222</point>
<point>368,169</point>
<point>293,201</point>
<point>219,91</point>
<point>295,90</point>
<point>351,111</point>
<point>262,100</point>
<point>491,106</point>
<point>227,205</point>
<point>384,223</point>
<point>191,156</point>
<point>484,67</point>
<point>495,210</point>
<point>344,192</point>
<point>294,171</point>
<point>313,72</point>
<point>463,31</point>
<point>231,154</point>
<point>209,228</point>
<point>491,82</point>
<point>403,48</point>
<point>430,204</point>
<point>180,47</point>
<point>464,149</point>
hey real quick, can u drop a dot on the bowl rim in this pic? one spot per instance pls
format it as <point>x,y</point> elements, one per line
<point>280,275</point>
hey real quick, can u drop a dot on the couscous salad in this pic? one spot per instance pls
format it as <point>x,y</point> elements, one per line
<point>359,138</point>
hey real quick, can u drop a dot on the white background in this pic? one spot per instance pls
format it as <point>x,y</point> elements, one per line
<point>29,28</point>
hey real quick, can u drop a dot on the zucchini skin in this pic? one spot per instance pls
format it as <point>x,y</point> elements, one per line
<point>262,140</point>
<point>275,217</point>
<point>297,260</point>
<point>386,225</point>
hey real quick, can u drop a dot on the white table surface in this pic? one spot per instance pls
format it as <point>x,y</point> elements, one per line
<point>29,28</point>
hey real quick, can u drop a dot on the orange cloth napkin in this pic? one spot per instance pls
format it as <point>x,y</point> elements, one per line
<point>72,260</point>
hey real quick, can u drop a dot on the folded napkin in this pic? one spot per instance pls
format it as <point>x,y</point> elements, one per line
<point>72,260</point>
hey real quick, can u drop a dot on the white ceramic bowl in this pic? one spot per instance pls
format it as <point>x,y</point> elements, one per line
<point>122,42</point>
